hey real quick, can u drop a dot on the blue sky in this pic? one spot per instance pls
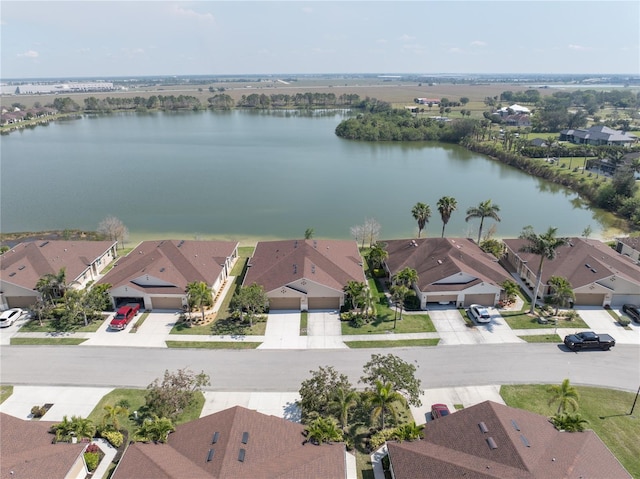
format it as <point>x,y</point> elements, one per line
<point>132,38</point>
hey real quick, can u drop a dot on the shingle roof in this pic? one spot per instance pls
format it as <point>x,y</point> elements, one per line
<point>599,132</point>
<point>527,446</point>
<point>435,259</point>
<point>26,263</point>
<point>274,449</point>
<point>173,263</point>
<point>332,263</point>
<point>631,241</point>
<point>582,262</point>
<point>27,450</point>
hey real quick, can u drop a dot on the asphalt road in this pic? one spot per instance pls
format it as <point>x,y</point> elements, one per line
<point>284,370</point>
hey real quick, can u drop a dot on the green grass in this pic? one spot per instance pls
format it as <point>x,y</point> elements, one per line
<point>213,344</point>
<point>47,341</point>
<point>304,316</point>
<point>226,326</point>
<point>542,338</point>
<point>400,343</point>
<point>136,400</point>
<point>619,431</point>
<point>49,326</point>
<point>458,407</point>
<point>5,392</point>
<point>410,323</point>
<point>139,322</point>
<point>525,321</point>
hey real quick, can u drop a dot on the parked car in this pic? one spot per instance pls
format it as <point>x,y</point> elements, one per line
<point>439,410</point>
<point>10,316</point>
<point>124,315</point>
<point>589,340</point>
<point>633,311</point>
<point>479,313</point>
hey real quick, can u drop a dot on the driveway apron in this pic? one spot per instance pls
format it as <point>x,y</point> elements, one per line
<point>324,330</point>
<point>283,331</point>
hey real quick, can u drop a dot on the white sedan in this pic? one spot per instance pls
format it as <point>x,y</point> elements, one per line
<point>479,313</point>
<point>8,317</point>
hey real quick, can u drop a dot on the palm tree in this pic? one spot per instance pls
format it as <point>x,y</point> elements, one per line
<point>421,212</point>
<point>545,246</point>
<point>384,400</point>
<point>511,289</point>
<point>355,292</point>
<point>566,395</point>
<point>156,429</point>
<point>409,432</point>
<point>446,206</point>
<point>83,427</point>
<point>199,295</point>
<point>399,293</point>
<point>63,429</point>
<point>111,415</point>
<point>407,277</point>
<point>343,401</point>
<point>52,286</point>
<point>377,255</point>
<point>323,430</point>
<point>569,422</point>
<point>484,210</point>
<point>561,292</point>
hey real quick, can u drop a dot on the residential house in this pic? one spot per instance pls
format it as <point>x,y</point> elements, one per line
<point>520,119</point>
<point>28,451</point>
<point>305,274</point>
<point>23,265</point>
<point>629,246</point>
<point>156,273</point>
<point>236,443</point>
<point>490,440</point>
<point>514,109</point>
<point>450,270</point>
<point>600,276</point>
<point>597,136</point>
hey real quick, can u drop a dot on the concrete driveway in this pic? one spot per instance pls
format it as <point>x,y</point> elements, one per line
<point>283,331</point>
<point>467,396</point>
<point>279,404</point>
<point>324,330</point>
<point>453,329</point>
<point>152,334</point>
<point>600,321</point>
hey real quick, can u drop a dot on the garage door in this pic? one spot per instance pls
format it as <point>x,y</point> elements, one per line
<point>324,303</point>
<point>124,300</point>
<point>483,299</point>
<point>620,299</point>
<point>441,298</point>
<point>21,301</point>
<point>166,303</point>
<point>284,303</point>
<point>586,299</point>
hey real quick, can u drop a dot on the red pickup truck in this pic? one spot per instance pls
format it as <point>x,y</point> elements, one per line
<point>124,315</point>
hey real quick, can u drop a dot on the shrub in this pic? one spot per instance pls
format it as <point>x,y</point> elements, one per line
<point>623,321</point>
<point>379,438</point>
<point>92,448</point>
<point>38,411</point>
<point>92,459</point>
<point>115,438</point>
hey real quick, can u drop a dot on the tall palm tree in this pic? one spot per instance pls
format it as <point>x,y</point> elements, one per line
<point>560,292</point>
<point>544,245</point>
<point>199,295</point>
<point>111,415</point>
<point>343,401</point>
<point>421,212</point>
<point>52,286</point>
<point>566,395</point>
<point>384,399</point>
<point>485,209</point>
<point>356,292</point>
<point>446,206</point>
<point>399,294</point>
<point>406,276</point>
<point>377,255</point>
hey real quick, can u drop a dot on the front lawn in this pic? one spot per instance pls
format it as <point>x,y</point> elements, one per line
<point>523,320</point>
<point>51,326</point>
<point>213,344</point>
<point>542,338</point>
<point>618,430</point>
<point>47,341</point>
<point>400,343</point>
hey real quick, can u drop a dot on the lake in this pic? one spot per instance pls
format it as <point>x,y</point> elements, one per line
<point>259,175</point>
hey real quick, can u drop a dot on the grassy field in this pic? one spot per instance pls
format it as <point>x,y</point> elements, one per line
<point>212,344</point>
<point>618,430</point>
<point>400,343</point>
<point>46,341</point>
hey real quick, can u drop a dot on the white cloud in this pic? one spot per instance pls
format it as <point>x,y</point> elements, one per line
<point>29,54</point>
<point>307,10</point>
<point>188,13</point>
<point>478,43</point>
<point>578,47</point>
<point>455,50</point>
<point>407,38</point>
<point>381,41</point>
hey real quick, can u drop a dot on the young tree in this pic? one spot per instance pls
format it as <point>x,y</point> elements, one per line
<point>318,392</point>
<point>308,233</point>
<point>409,432</point>
<point>251,299</point>
<point>544,245</point>
<point>510,288</point>
<point>355,292</point>
<point>343,401</point>
<point>446,206</point>
<point>383,399</point>
<point>323,430</point>
<point>155,429</point>
<point>569,422</point>
<point>111,414</point>
<point>560,292</point>
<point>406,277</point>
<point>399,294</point>
<point>421,212</point>
<point>114,229</point>
<point>566,395</point>
<point>484,210</point>
<point>359,234</point>
<point>377,255</point>
<point>52,286</point>
<point>169,397</point>
<point>371,230</point>
<point>199,296</point>
<point>394,370</point>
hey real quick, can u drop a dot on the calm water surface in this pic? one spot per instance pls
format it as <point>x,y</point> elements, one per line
<point>245,175</point>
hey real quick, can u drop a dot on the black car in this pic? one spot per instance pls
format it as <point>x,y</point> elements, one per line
<point>633,311</point>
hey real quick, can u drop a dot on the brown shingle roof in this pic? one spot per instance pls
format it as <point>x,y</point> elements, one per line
<point>332,263</point>
<point>631,241</point>
<point>572,260</point>
<point>528,446</point>
<point>26,263</point>
<point>27,450</point>
<point>173,263</point>
<point>274,449</point>
<point>435,259</point>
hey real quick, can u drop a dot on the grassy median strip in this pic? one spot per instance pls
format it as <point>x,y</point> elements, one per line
<point>213,344</point>
<point>618,430</point>
<point>139,322</point>
<point>5,392</point>
<point>400,343</point>
<point>47,341</point>
<point>542,338</point>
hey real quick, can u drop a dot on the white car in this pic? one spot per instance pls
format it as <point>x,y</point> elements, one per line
<point>8,317</point>
<point>479,313</point>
